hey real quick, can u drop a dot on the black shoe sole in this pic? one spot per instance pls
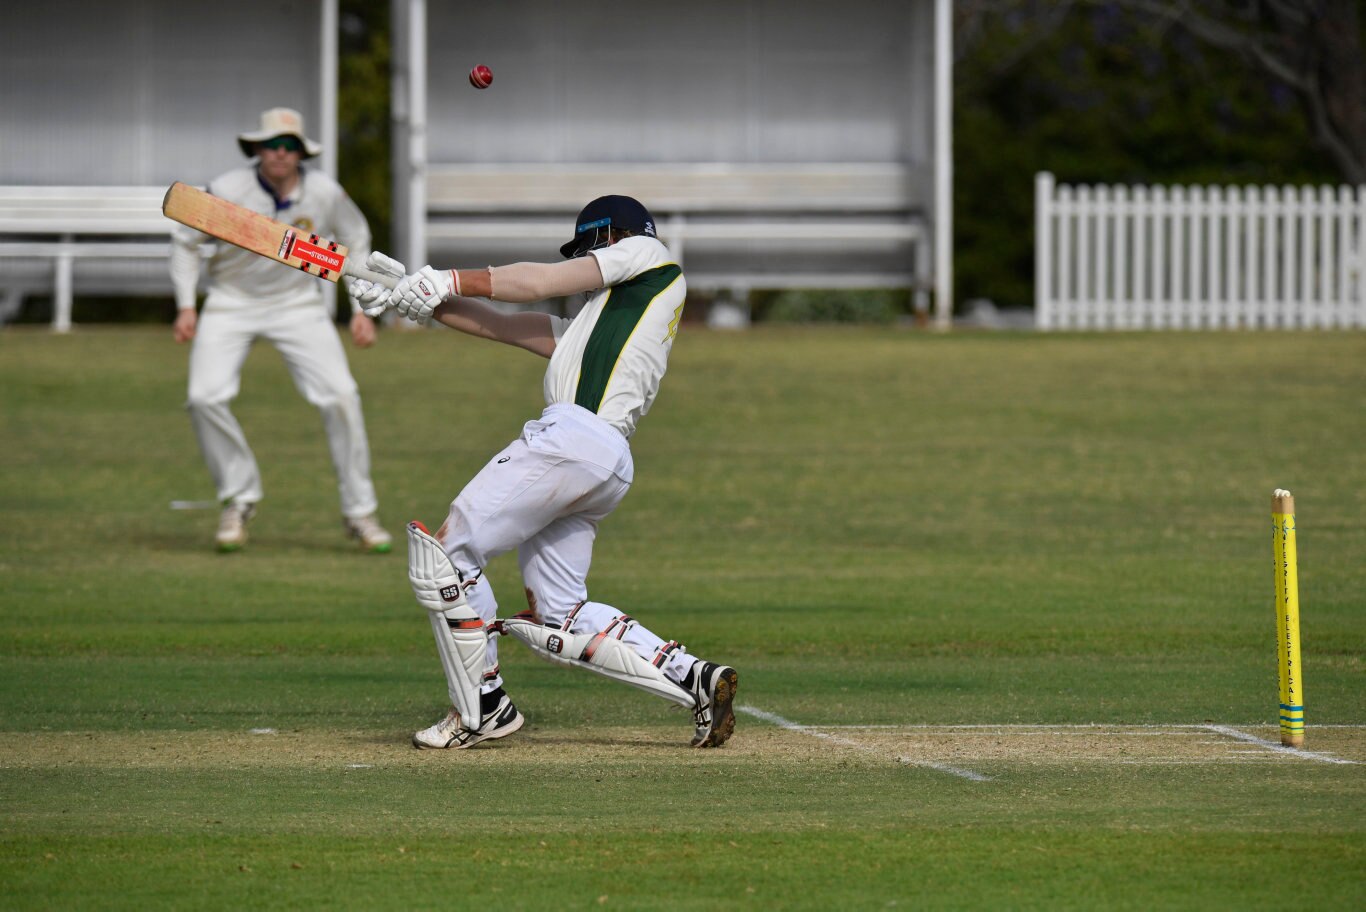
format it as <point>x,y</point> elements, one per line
<point>722,713</point>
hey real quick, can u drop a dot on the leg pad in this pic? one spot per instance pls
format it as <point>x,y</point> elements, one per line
<point>461,638</point>
<point>600,653</point>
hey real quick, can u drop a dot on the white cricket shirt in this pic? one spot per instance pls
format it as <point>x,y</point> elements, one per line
<point>609,358</point>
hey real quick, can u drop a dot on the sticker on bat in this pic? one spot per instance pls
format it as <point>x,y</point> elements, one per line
<point>320,257</point>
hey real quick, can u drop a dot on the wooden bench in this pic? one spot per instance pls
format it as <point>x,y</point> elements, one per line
<point>52,237</point>
<point>737,226</point>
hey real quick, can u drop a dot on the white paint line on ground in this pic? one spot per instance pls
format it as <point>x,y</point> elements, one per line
<point>845,742</point>
<point>1296,752</point>
<point>1026,728</point>
<point>1267,750</point>
<point>1260,760</point>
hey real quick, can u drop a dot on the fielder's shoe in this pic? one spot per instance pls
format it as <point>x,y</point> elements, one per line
<point>370,534</point>
<point>713,687</point>
<point>232,526</point>
<point>501,719</point>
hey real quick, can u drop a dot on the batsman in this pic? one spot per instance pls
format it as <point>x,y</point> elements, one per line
<point>546,492</point>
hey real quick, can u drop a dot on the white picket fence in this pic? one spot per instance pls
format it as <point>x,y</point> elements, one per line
<point>1199,257</point>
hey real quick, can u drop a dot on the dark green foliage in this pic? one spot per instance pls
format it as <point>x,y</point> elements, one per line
<point>1105,98</point>
<point>839,305</point>
<point>363,164</point>
<point>87,309</point>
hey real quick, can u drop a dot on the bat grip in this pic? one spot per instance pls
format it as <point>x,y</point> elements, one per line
<point>379,278</point>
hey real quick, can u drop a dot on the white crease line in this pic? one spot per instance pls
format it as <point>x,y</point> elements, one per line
<point>845,742</point>
<point>1080,727</point>
<point>1260,760</point>
<point>1296,752</point>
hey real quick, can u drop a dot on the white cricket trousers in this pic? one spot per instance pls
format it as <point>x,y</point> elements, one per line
<point>307,339</point>
<point>544,495</point>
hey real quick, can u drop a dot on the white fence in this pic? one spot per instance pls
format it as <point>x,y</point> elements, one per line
<point>1199,257</point>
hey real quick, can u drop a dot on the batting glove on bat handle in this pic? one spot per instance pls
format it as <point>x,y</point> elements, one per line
<point>370,291</point>
<point>419,294</point>
<point>372,284</point>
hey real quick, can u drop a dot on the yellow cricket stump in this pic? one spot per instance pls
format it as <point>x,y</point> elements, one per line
<point>1288,618</point>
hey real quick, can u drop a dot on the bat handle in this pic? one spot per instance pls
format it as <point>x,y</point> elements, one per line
<point>360,272</point>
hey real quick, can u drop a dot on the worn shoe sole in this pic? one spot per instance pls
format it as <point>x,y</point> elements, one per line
<point>722,710</point>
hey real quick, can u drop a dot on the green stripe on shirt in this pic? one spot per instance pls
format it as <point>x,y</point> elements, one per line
<point>621,313</point>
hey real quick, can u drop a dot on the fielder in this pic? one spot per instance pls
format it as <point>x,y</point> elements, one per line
<point>249,298</point>
<point>546,492</point>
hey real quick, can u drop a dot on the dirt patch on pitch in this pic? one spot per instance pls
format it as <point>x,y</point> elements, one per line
<point>961,748</point>
<point>1145,745</point>
<point>268,748</point>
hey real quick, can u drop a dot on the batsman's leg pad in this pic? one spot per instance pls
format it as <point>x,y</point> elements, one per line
<point>597,652</point>
<point>461,640</point>
<point>435,581</point>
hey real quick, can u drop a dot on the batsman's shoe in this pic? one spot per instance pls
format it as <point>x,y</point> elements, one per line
<point>370,534</point>
<point>232,526</point>
<point>501,719</point>
<point>713,687</point>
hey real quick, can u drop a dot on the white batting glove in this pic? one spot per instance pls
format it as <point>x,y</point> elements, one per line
<point>418,294</point>
<point>372,297</point>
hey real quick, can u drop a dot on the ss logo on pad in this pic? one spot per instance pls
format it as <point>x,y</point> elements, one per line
<point>555,644</point>
<point>450,593</point>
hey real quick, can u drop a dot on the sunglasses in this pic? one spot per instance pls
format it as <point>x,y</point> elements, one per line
<point>287,143</point>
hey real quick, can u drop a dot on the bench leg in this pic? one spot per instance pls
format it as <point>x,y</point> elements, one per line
<point>61,293</point>
<point>924,282</point>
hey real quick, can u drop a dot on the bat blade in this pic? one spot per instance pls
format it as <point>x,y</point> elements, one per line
<point>260,234</point>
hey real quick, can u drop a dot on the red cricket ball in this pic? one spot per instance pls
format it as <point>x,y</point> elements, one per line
<point>481,77</point>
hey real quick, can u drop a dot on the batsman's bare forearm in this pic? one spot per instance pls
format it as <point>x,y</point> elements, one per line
<point>526,329</point>
<point>527,283</point>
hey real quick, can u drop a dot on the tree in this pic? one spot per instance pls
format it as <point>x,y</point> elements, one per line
<point>363,163</point>
<point>1313,47</point>
<point>1103,92</point>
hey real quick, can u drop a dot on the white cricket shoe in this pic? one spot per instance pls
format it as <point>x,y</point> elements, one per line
<point>232,526</point>
<point>370,534</point>
<point>713,687</point>
<point>501,719</point>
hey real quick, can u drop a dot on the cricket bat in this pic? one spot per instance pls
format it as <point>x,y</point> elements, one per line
<point>255,232</point>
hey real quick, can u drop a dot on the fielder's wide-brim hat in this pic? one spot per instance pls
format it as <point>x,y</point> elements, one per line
<point>279,122</point>
<point>621,212</point>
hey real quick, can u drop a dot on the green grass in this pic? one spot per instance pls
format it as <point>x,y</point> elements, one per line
<point>877,527</point>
